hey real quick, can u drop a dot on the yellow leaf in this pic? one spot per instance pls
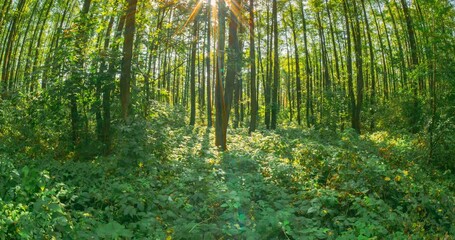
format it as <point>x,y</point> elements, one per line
<point>397,178</point>
<point>387,179</point>
<point>405,173</point>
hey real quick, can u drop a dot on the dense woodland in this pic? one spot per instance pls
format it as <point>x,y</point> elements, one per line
<point>227,119</point>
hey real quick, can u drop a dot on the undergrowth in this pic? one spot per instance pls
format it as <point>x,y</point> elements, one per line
<point>288,184</point>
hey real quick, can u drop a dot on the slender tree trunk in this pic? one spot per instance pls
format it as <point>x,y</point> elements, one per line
<point>102,80</point>
<point>309,98</point>
<point>220,135</point>
<point>276,67</point>
<point>327,83</point>
<point>297,68</point>
<point>24,40</point>
<point>403,74</point>
<point>11,38</point>
<point>372,64</point>
<point>254,103</point>
<point>233,67</point>
<point>193,72</point>
<point>288,82</point>
<point>359,68</point>
<point>418,83</point>
<point>268,77</point>
<point>77,77</point>
<point>383,58</point>
<point>208,66</point>
<point>352,101</point>
<point>332,34</point>
<point>36,58</point>
<point>412,41</point>
<point>5,8</point>
<point>109,85</point>
<point>126,73</point>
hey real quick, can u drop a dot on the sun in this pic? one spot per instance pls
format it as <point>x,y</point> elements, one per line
<point>232,5</point>
<point>213,3</point>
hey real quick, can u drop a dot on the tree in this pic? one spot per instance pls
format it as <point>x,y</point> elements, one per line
<point>220,105</point>
<point>125,77</point>
<point>276,67</point>
<point>193,72</point>
<point>253,97</point>
<point>297,66</point>
<point>356,123</point>
<point>207,63</point>
<point>76,80</point>
<point>11,37</point>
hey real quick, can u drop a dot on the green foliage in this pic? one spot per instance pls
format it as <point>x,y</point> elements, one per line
<point>442,142</point>
<point>288,184</point>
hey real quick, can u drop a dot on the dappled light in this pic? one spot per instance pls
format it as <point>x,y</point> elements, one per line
<point>227,119</point>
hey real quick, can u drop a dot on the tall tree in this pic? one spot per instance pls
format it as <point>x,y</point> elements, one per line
<point>356,123</point>
<point>126,71</point>
<point>193,72</point>
<point>253,96</point>
<point>220,105</point>
<point>276,67</point>
<point>207,64</point>
<point>102,80</point>
<point>309,110</point>
<point>352,101</point>
<point>11,38</point>
<point>297,66</point>
<point>76,80</point>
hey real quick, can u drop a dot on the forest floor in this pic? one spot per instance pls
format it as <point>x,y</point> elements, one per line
<point>287,184</point>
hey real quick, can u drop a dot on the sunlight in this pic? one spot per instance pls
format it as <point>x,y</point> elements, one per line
<point>232,5</point>
<point>213,3</point>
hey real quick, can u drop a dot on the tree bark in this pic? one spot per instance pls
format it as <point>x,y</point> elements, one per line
<point>125,76</point>
<point>193,72</point>
<point>254,103</point>
<point>297,68</point>
<point>220,135</point>
<point>276,67</point>
<point>207,64</point>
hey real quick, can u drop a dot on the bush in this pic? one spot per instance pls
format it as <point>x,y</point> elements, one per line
<point>441,145</point>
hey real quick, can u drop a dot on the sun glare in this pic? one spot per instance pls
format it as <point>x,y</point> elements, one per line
<point>212,2</point>
<point>232,5</point>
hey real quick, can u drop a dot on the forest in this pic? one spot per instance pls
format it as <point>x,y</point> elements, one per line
<point>227,119</point>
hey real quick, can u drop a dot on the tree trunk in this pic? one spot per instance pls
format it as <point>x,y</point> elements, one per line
<point>108,86</point>
<point>193,72</point>
<point>220,135</point>
<point>254,103</point>
<point>309,91</point>
<point>76,80</point>
<point>276,67</point>
<point>125,76</point>
<point>359,68</point>
<point>11,38</point>
<point>352,102</point>
<point>208,66</point>
<point>297,68</point>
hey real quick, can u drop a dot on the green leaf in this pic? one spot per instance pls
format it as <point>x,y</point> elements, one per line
<point>114,230</point>
<point>313,209</point>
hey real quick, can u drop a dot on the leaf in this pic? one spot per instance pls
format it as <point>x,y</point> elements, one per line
<point>25,171</point>
<point>113,229</point>
<point>313,209</point>
<point>54,207</point>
